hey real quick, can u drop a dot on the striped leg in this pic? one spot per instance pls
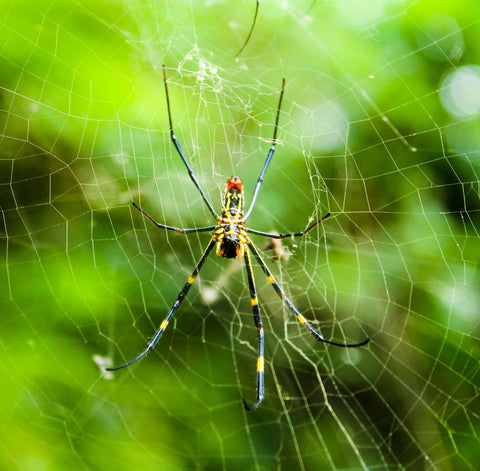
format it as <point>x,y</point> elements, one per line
<point>288,234</point>
<point>180,151</point>
<point>175,306</point>
<point>258,324</point>
<point>269,155</point>
<point>171,228</point>
<point>289,303</point>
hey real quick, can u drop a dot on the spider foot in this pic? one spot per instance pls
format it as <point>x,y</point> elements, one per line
<point>251,408</point>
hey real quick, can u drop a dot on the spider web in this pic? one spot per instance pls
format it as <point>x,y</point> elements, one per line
<point>379,126</point>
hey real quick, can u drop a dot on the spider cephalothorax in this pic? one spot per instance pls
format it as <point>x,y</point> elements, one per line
<point>233,200</point>
<point>231,241</point>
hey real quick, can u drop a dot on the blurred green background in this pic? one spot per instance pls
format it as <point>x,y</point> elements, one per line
<point>380,126</point>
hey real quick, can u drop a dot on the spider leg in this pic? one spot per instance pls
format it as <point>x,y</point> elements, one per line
<point>269,155</point>
<point>292,307</point>
<point>288,234</point>
<point>259,325</point>
<point>251,30</point>
<point>175,306</point>
<point>180,151</point>
<point>171,228</point>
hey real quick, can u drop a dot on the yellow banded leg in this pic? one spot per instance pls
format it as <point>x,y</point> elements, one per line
<point>176,304</point>
<point>260,334</point>
<point>292,307</point>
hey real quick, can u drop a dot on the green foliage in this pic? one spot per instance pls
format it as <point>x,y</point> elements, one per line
<point>367,132</point>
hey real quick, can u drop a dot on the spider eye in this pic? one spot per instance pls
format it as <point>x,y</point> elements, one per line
<point>235,183</point>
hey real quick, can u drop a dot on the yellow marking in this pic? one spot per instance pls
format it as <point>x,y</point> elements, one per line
<point>226,210</point>
<point>301,319</point>
<point>254,301</point>
<point>270,278</point>
<point>260,364</point>
<point>164,324</point>
<point>220,249</point>
<point>191,280</point>
<point>244,239</point>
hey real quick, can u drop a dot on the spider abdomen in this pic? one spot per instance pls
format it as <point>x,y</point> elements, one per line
<point>231,240</point>
<point>230,246</point>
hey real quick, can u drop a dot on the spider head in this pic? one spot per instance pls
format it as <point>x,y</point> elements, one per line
<point>233,199</point>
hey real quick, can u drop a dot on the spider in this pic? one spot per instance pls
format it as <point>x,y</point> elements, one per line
<point>231,239</point>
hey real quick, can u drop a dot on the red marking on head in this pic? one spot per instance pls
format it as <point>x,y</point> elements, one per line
<point>235,183</point>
